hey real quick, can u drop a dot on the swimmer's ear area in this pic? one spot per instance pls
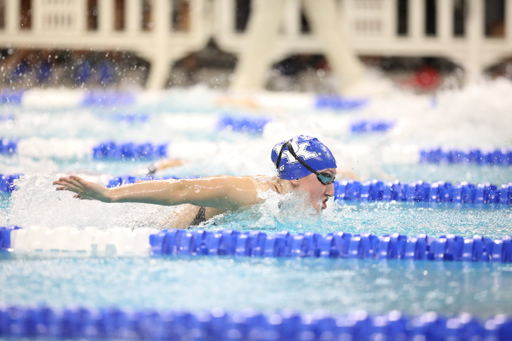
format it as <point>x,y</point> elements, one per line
<point>295,182</point>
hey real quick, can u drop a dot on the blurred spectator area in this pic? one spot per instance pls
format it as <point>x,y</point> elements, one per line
<point>24,68</point>
<point>214,64</point>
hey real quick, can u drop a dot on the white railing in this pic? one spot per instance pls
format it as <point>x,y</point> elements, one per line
<point>371,26</point>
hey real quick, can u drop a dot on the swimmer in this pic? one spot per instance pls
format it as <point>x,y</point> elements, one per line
<point>303,164</point>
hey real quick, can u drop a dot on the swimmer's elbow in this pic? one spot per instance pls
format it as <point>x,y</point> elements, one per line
<point>179,193</point>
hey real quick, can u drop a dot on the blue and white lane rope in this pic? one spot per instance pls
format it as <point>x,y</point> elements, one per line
<point>7,182</point>
<point>78,148</point>
<point>219,325</point>
<point>488,157</point>
<point>436,192</point>
<point>369,191</point>
<point>419,191</point>
<point>332,245</point>
<point>256,244</point>
<point>83,148</point>
<point>42,98</point>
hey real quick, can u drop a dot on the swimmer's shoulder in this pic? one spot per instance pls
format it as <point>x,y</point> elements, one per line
<point>250,183</point>
<point>266,183</point>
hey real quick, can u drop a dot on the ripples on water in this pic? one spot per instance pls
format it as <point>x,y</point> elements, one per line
<point>306,285</point>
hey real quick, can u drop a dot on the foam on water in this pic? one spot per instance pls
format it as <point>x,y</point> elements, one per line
<point>37,203</point>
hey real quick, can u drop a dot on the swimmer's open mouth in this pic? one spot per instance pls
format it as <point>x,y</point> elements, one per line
<point>324,204</point>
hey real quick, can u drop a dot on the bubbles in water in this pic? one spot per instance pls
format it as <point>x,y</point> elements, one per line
<point>37,203</point>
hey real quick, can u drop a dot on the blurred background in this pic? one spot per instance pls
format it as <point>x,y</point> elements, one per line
<point>420,45</point>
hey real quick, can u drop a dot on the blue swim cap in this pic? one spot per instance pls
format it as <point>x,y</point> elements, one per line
<point>311,151</point>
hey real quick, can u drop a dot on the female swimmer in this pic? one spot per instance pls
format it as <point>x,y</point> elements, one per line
<point>303,164</point>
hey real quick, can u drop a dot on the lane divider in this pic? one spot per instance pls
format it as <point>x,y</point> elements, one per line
<point>338,103</point>
<point>371,126</point>
<point>217,324</point>
<point>332,245</point>
<point>199,242</point>
<point>130,151</point>
<point>243,124</point>
<point>436,192</point>
<point>369,191</point>
<point>67,148</point>
<point>8,146</point>
<point>129,179</point>
<point>44,98</point>
<point>7,182</point>
<point>90,240</point>
<point>492,157</point>
<point>80,148</point>
<point>375,190</point>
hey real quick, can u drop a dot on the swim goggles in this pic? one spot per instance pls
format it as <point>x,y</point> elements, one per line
<point>324,177</point>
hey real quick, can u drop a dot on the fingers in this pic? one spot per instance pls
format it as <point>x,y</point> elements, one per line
<point>79,180</point>
<point>71,183</point>
<point>71,188</point>
<point>74,184</point>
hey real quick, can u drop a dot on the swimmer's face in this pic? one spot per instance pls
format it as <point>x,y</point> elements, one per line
<point>318,192</point>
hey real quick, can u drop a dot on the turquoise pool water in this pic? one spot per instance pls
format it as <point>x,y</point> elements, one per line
<point>305,285</point>
<point>62,279</point>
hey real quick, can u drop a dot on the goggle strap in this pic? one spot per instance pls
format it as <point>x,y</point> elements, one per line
<point>298,159</point>
<point>290,148</point>
<point>280,155</point>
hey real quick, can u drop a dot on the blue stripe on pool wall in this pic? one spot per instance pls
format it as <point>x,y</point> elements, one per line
<point>494,157</point>
<point>218,325</point>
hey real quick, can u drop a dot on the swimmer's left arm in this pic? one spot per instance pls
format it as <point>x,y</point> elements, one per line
<point>223,192</point>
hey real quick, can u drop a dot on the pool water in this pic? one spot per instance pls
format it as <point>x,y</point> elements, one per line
<point>306,285</point>
<point>474,117</point>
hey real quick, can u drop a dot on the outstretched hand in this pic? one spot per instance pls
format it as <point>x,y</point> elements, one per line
<point>83,189</point>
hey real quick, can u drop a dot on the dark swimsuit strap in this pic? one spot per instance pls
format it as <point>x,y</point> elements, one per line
<point>200,217</point>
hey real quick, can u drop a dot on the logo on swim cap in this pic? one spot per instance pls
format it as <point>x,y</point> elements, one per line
<point>311,151</point>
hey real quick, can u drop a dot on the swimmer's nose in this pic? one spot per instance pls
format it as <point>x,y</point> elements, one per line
<point>329,191</point>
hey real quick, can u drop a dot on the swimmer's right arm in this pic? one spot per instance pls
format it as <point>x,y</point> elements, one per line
<point>223,192</point>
